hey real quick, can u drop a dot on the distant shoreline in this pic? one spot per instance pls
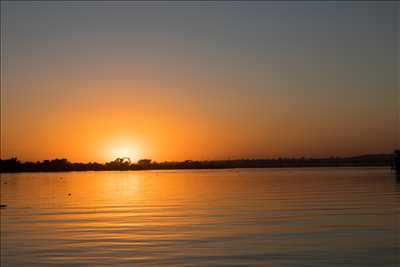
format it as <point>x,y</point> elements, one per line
<point>63,165</point>
<point>222,168</point>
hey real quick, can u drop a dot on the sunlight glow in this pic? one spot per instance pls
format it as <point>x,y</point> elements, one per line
<point>123,148</point>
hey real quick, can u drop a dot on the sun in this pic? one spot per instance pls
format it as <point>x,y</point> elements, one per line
<point>120,152</point>
<point>122,149</point>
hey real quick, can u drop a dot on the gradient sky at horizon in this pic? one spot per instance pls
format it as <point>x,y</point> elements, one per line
<point>90,81</point>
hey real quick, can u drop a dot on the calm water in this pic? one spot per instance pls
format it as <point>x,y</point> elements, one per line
<point>245,217</point>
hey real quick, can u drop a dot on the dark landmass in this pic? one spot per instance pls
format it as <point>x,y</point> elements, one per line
<point>123,164</point>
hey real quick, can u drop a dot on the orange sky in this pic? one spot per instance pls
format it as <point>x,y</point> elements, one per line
<point>177,82</point>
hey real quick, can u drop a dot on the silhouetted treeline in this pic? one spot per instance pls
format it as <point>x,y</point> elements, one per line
<point>396,161</point>
<point>121,164</point>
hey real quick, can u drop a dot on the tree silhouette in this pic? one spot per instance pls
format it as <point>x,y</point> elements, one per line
<point>123,164</point>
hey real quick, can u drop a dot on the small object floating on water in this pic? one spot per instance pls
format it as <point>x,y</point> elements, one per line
<point>3,205</point>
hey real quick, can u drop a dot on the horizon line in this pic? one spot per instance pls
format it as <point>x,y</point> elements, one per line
<point>198,160</point>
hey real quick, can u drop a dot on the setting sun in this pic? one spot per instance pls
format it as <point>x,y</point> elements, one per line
<point>123,148</point>
<point>120,152</point>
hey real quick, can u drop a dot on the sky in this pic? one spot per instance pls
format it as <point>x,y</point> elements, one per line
<point>91,81</point>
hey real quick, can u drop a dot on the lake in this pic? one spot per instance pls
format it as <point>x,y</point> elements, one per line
<point>233,217</point>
